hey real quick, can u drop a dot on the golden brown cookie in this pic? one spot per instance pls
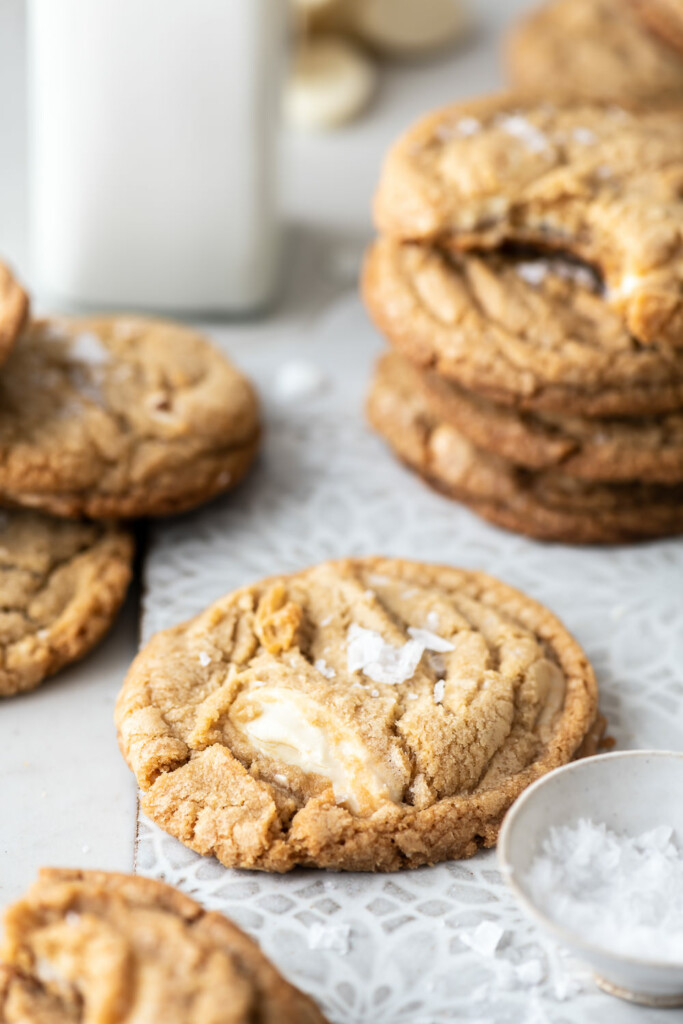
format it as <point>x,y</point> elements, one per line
<point>592,179</point>
<point>367,714</point>
<point>609,450</point>
<point>121,417</point>
<point>61,585</point>
<point>89,946</point>
<point>547,505</point>
<point>664,18</point>
<point>14,306</point>
<point>594,48</point>
<point>522,329</point>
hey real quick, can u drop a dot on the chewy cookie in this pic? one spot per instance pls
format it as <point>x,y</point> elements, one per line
<point>609,450</point>
<point>596,47</point>
<point>14,306</point>
<point>520,328</point>
<point>547,505</point>
<point>599,182</point>
<point>665,18</point>
<point>368,714</point>
<point>121,417</point>
<point>61,585</point>
<point>86,946</point>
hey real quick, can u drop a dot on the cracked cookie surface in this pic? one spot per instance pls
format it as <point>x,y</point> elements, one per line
<point>365,714</point>
<point>61,585</point>
<point>594,47</point>
<point>592,179</point>
<point>526,330</point>
<point>119,417</point>
<point>547,505</point>
<point>14,306</point>
<point>89,946</point>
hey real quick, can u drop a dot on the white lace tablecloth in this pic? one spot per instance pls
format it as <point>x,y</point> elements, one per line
<point>326,487</point>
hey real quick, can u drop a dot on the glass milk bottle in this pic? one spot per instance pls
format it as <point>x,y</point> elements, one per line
<point>152,134</point>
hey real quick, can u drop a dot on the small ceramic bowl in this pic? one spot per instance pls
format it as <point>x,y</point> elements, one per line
<point>631,792</point>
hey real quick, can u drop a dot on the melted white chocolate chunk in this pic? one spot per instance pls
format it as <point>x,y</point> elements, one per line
<point>294,729</point>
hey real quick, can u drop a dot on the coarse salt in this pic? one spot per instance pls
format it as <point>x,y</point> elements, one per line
<point>324,669</point>
<point>462,129</point>
<point>468,126</point>
<point>584,136</point>
<point>431,641</point>
<point>439,691</point>
<point>204,659</point>
<point>526,132</point>
<point>623,893</point>
<point>484,939</point>
<point>433,621</point>
<point>368,652</point>
<point>87,348</point>
<point>533,273</point>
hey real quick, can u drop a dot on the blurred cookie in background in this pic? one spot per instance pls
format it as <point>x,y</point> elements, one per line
<point>14,306</point>
<point>61,585</point>
<point>598,48</point>
<point>95,946</point>
<point>664,17</point>
<point>121,417</point>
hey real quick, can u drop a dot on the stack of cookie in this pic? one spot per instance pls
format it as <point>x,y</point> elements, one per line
<point>619,49</point>
<point>530,280</point>
<point>100,420</point>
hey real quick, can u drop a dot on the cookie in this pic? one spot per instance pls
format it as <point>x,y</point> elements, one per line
<point>591,179</point>
<point>367,714</point>
<point>85,946</point>
<point>525,330</point>
<point>14,306</point>
<point>593,47</point>
<point>61,585</point>
<point>547,505</point>
<point>664,18</point>
<point>121,417</point>
<point>610,450</point>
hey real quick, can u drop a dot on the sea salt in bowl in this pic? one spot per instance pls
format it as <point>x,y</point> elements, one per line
<point>631,793</point>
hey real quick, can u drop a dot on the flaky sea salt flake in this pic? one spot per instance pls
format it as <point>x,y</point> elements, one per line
<point>532,272</point>
<point>431,641</point>
<point>368,652</point>
<point>324,669</point>
<point>484,939</point>
<point>526,132</point>
<point>87,348</point>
